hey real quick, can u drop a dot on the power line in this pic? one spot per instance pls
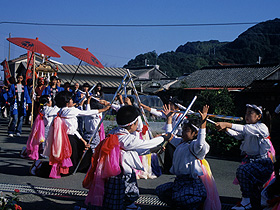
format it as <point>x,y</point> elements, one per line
<point>128,25</point>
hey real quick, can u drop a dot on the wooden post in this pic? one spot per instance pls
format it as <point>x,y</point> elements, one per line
<point>33,90</point>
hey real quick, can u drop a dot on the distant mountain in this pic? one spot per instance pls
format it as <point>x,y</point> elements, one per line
<point>261,40</point>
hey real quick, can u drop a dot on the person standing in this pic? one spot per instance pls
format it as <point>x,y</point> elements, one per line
<point>18,98</point>
<point>52,90</point>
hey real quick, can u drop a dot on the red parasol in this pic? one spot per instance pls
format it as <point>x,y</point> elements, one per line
<point>34,45</point>
<point>84,55</point>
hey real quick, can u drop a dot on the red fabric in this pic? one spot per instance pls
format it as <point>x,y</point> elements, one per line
<point>84,55</point>
<point>36,137</point>
<point>34,45</point>
<point>61,149</point>
<point>144,129</point>
<point>30,59</point>
<point>104,164</point>
<point>7,72</point>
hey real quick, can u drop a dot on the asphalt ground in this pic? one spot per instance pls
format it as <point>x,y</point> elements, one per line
<point>67,192</point>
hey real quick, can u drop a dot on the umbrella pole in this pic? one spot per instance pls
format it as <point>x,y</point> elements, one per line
<point>33,90</point>
<point>75,72</point>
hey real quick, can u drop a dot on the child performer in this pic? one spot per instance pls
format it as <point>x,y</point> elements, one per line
<point>119,191</point>
<point>91,123</point>
<point>64,141</point>
<point>36,140</point>
<point>194,184</point>
<point>175,118</point>
<point>49,112</point>
<point>257,167</point>
<point>169,149</point>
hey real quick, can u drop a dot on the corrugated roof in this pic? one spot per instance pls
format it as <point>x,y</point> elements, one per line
<point>226,77</point>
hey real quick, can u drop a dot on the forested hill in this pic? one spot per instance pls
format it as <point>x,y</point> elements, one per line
<point>261,40</point>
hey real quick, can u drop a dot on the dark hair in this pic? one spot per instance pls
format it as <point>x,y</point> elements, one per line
<point>192,121</point>
<point>29,82</point>
<point>131,99</point>
<point>126,114</point>
<point>12,80</point>
<point>266,118</point>
<point>86,85</point>
<point>62,98</point>
<point>53,78</point>
<point>44,99</point>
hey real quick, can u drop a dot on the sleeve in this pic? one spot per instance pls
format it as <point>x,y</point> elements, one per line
<point>258,129</point>
<point>237,135</point>
<point>116,107</point>
<point>26,95</point>
<point>168,128</point>
<point>140,123</point>
<point>131,142</point>
<point>157,113</point>
<point>88,107</point>
<point>78,134</point>
<point>200,147</point>
<point>87,112</point>
<point>11,93</point>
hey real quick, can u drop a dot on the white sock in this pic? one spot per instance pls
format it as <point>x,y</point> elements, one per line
<point>245,201</point>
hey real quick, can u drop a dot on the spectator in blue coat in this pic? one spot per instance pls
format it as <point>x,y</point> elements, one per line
<point>18,98</point>
<point>52,90</point>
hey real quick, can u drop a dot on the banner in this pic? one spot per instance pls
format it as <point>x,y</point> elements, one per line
<point>7,73</point>
<point>30,57</point>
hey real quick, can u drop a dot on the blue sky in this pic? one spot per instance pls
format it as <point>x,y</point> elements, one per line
<point>115,46</point>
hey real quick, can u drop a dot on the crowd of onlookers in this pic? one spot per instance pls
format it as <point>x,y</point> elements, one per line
<point>16,98</point>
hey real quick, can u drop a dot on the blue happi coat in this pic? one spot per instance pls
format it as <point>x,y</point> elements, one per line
<point>14,102</point>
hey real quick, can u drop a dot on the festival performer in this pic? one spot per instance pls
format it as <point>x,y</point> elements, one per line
<point>49,112</point>
<point>18,98</point>
<point>52,90</point>
<point>142,133</point>
<point>39,132</point>
<point>172,101</point>
<point>38,92</point>
<point>257,167</point>
<point>65,146</point>
<point>112,184</point>
<point>194,186</point>
<point>91,123</point>
<point>169,148</point>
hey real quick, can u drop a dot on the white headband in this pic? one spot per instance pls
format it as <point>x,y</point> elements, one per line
<point>128,124</point>
<point>253,106</point>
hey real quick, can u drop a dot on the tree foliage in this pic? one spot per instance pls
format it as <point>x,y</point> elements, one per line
<point>261,40</point>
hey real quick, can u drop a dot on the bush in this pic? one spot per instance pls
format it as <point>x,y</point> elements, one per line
<point>222,144</point>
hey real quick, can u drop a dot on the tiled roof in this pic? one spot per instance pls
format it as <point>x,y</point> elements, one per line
<point>236,76</point>
<point>91,70</point>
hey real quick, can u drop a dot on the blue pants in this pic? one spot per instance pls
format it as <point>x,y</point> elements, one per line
<point>16,124</point>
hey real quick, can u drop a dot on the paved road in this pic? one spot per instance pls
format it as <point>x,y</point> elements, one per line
<point>65,193</point>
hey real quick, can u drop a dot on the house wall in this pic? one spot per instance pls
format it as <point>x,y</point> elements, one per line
<point>274,76</point>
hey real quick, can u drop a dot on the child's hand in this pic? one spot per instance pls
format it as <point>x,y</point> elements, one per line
<point>167,111</point>
<point>104,102</point>
<point>222,125</point>
<point>204,112</point>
